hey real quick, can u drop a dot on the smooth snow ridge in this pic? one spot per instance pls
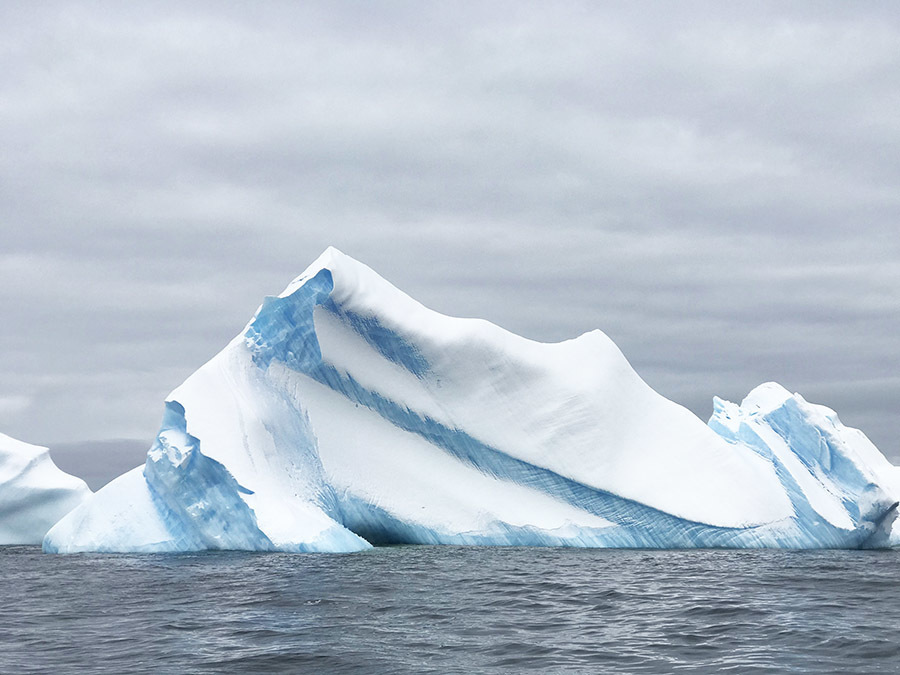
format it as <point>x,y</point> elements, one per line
<point>348,414</point>
<point>34,493</point>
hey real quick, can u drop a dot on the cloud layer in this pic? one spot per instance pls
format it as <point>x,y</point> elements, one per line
<point>713,186</point>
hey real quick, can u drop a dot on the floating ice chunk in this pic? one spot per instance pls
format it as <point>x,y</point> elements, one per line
<point>34,493</point>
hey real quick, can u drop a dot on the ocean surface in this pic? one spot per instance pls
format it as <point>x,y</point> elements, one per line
<point>452,610</point>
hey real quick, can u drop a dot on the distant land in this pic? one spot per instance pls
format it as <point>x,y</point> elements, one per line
<point>98,462</point>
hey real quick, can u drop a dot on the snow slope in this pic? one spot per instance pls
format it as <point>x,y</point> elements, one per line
<point>34,493</point>
<point>348,414</point>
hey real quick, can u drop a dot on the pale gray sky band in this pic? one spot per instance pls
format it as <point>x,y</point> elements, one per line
<point>714,185</point>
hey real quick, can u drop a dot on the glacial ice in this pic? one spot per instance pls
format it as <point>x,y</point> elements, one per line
<point>347,414</point>
<point>836,479</point>
<point>34,493</point>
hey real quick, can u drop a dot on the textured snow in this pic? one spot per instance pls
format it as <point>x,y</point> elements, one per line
<point>34,493</point>
<point>347,414</point>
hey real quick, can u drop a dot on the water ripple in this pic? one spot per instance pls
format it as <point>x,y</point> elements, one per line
<point>452,610</point>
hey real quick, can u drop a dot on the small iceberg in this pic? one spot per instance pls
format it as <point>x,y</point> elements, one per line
<point>34,493</point>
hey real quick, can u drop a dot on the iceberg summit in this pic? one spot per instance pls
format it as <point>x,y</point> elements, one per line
<point>347,415</point>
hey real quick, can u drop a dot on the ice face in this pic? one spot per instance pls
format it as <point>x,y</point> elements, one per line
<point>34,493</point>
<point>835,478</point>
<point>182,500</point>
<point>348,414</point>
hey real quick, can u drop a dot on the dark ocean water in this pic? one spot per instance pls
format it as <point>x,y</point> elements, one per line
<point>452,610</point>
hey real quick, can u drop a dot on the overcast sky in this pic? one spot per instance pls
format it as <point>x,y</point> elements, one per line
<point>714,185</point>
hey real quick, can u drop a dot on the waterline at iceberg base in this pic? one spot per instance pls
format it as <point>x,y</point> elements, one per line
<point>347,415</point>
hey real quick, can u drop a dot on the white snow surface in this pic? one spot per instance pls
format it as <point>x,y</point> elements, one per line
<point>120,517</point>
<point>575,407</point>
<point>346,413</point>
<point>34,493</point>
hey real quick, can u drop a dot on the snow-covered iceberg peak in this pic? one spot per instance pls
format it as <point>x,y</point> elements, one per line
<point>347,414</point>
<point>576,408</point>
<point>34,493</point>
<point>836,478</point>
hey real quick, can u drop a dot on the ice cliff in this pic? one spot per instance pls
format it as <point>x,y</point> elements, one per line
<point>347,414</point>
<point>34,493</point>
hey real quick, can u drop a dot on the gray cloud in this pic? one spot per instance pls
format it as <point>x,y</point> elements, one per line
<point>712,185</point>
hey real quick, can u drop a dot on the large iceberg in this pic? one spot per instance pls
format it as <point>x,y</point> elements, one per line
<point>347,414</point>
<point>34,493</point>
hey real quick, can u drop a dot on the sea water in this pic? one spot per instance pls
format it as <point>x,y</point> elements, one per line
<point>441,609</point>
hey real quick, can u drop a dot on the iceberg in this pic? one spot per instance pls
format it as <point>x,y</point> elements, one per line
<point>347,415</point>
<point>834,476</point>
<point>34,493</point>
